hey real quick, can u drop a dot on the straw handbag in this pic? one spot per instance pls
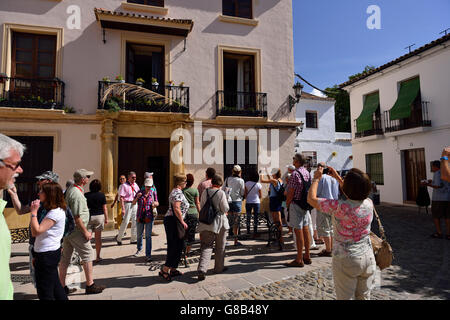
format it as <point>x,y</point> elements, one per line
<point>381,248</point>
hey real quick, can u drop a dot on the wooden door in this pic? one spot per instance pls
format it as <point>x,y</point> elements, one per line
<point>147,155</point>
<point>37,158</point>
<point>415,170</point>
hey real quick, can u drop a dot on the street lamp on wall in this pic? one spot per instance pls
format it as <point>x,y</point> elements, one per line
<point>300,128</point>
<point>298,93</point>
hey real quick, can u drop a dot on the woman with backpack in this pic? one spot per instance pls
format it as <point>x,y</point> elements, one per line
<point>216,232</point>
<point>47,246</point>
<point>276,197</point>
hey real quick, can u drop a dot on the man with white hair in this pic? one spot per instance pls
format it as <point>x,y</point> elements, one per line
<point>80,238</point>
<point>11,152</point>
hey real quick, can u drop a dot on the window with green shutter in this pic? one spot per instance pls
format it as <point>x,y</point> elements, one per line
<point>374,167</point>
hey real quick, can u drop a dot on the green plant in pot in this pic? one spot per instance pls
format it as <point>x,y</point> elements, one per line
<point>140,81</point>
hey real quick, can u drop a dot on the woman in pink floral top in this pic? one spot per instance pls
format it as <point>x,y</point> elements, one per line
<point>354,264</point>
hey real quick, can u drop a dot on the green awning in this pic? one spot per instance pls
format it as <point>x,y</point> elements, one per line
<point>364,121</point>
<point>408,93</point>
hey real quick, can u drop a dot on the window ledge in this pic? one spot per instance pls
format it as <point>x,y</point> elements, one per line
<point>245,21</point>
<point>144,8</point>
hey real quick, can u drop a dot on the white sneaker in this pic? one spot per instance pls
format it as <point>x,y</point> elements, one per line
<point>138,253</point>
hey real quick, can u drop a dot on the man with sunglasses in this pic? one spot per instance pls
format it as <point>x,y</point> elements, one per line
<point>11,152</point>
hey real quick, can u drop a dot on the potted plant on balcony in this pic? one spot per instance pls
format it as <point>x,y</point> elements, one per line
<point>181,85</point>
<point>3,77</point>
<point>106,79</point>
<point>120,79</point>
<point>140,81</point>
<point>170,83</point>
<point>155,83</point>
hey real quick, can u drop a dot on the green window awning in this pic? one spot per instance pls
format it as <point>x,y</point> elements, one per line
<point>364,121</point>
<point>409,90</point>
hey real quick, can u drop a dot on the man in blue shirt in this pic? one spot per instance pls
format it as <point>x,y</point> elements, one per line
<point>328,188</point>
<point>440,200</point>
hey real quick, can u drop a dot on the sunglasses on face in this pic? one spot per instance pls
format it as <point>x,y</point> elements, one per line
<point>12,167</point>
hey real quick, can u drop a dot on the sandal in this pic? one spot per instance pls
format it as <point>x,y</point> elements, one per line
<point>436,235</point>
<point>294,264</point>
<point>319,241</point>
<point>165,275</point>
<point>307,260</point>
<point>324,253</point>
<point>176,273</point>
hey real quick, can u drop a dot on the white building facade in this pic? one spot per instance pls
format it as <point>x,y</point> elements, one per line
<point>401,119</point>
<point>318,140</point>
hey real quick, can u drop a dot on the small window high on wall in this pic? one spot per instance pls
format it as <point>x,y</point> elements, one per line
<point>237,8</point>
<point>156,3</point>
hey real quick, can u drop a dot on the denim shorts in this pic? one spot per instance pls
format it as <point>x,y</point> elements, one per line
<point>275,204</point>
<point>235,206</point>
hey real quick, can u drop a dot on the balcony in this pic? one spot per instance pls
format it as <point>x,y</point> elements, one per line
<point>376,128</point>
<point>31,93</point>
<point>418,118</point>
<point>176,99</point>
<point>241,104</point>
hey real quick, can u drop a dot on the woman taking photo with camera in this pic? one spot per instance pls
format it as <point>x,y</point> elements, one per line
<point>353,261</point>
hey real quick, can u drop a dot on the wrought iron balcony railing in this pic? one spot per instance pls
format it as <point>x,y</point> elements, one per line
<point>244,104</point>
<point>31,93</point>
<point>376,128</point>
<point>418,118</point>
<point>176,99</point>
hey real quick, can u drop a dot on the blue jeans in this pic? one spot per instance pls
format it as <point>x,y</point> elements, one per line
<point>148,237</point>
<point>255,207</point>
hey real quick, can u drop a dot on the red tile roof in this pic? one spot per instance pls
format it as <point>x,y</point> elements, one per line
<point>398,60</point>
<point>140,16</point>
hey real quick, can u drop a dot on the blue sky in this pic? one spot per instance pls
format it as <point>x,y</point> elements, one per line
<point>332,41</point>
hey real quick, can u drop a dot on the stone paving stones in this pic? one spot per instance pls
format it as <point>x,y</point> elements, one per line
<point>420,270</point>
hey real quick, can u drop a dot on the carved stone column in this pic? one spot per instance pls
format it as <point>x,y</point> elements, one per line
<point>108,140</point>
<point>176,159</point>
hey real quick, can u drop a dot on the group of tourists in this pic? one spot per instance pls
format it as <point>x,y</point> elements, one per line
<point>314,205</point>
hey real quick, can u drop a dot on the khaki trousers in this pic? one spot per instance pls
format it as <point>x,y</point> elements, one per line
<point>354,276</point>
<point>206,246</point>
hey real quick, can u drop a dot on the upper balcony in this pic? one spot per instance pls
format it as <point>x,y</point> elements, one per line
<point>176,99</point>
<point>418,117</point>
<point>375,129</point>
<point>19,92</point>
<point>241,104</point>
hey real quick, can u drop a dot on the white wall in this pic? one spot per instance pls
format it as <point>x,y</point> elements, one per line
<point>434,72</point>
<point>324,140</point>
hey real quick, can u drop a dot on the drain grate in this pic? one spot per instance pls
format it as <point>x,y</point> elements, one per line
<point>24,278</point>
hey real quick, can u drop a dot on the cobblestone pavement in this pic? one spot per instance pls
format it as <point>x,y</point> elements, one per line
<point>420,268</point>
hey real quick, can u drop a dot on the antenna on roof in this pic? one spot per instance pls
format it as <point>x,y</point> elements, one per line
<point>445,31</point>
<point>409,47</point>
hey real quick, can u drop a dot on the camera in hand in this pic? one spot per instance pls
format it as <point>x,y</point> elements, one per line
<point>325,170</point>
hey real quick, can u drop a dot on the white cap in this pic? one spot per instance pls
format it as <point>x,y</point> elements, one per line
<point>148,182</point>
<point>237,168</point>
<point>290,167</point>
<point>148,175</point>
